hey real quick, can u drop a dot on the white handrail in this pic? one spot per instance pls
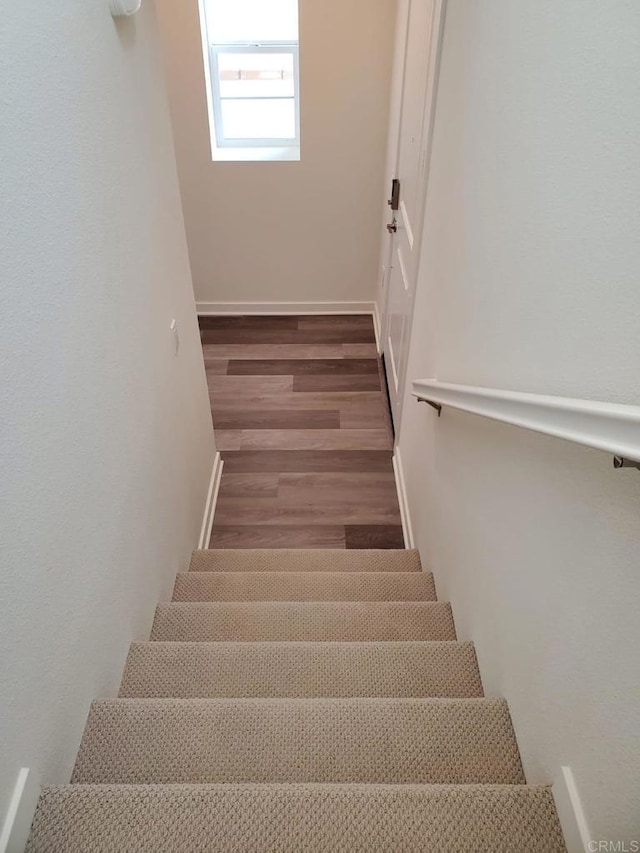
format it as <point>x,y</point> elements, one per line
<point>611,427</point>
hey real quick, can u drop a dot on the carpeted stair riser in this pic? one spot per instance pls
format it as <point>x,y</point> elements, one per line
<point>304,586</point>
<point>309,560</point>
<point>298,740</point>
<point>303,670</point>
<point>295,818</point>
<point>304,620</point>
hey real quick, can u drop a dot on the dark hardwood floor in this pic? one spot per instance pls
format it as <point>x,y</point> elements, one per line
<point>302,421</point>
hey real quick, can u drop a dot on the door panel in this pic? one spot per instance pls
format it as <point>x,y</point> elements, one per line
<point>413,106</point>
<point>414,120</point>
<point>397,328</point>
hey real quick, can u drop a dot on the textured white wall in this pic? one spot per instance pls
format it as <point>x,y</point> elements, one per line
<point>105,437</point>
<point>292,232</point>
<point>530,282</point>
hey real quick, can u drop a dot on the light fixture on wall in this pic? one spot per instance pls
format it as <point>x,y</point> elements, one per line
<point>124,7</point>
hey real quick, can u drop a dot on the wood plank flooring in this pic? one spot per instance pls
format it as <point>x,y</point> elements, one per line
<point>302,422</point>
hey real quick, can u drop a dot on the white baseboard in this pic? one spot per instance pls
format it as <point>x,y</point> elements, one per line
<point>570,813</point>
<point>376,327</point>
<point>242,308</point>
<point>212,499</point>
<point>22,807</point>
<point>403,500</point>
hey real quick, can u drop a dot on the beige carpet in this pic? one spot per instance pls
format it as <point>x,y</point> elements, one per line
<point>304,620</point>
<point>296,819</point>
<point>299,701</point>
<point>298,740</point>
<point>311,560</point>
<point>304,586</point>
<point>304,670</point>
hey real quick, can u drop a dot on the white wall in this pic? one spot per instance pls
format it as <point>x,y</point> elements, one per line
<point>105,437</point>
<point>292,232</point>
<point>530,282</point>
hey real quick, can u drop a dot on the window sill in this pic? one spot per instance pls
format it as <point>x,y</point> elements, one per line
<point>289,154</point>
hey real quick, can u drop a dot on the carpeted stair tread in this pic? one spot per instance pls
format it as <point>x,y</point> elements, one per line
<point>305,560</point>
<point>449,741</point>
<point>299,669</point>
<point>292,818</point>
<point>304,586</point>
<point>303,620</point>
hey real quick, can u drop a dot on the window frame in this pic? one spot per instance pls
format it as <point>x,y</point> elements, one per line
<point>215,48</point>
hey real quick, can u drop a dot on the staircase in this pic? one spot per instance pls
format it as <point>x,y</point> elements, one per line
<point>299,701</point>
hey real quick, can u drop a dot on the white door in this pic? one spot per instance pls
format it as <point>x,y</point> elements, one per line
<point>414,119</point>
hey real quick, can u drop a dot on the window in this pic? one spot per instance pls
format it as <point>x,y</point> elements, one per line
<point>252,54</point>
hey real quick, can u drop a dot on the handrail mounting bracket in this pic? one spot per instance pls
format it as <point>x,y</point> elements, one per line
<point>433,405</point>
<point>623,462</point>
